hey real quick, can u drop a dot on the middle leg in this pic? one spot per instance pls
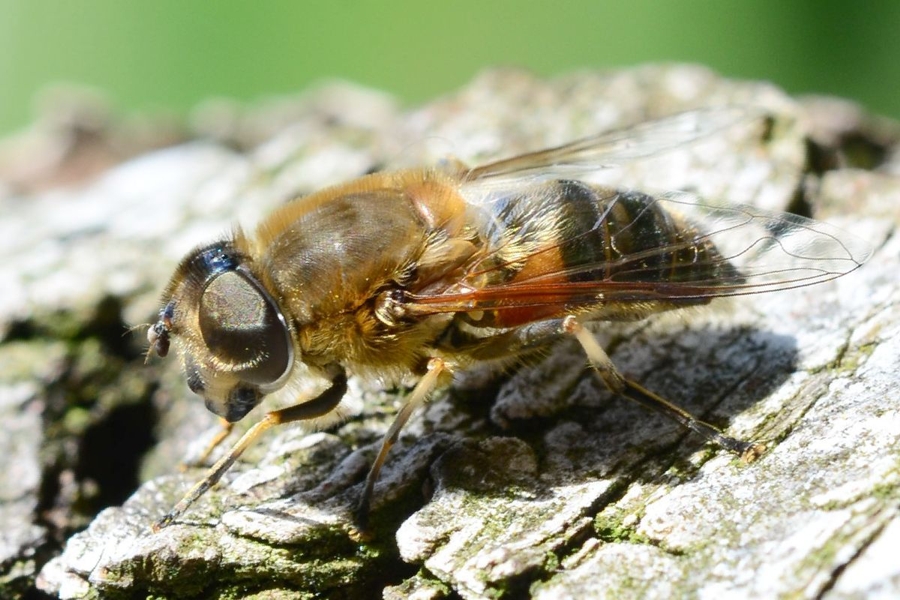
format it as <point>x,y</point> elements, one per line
<point>436,367</point>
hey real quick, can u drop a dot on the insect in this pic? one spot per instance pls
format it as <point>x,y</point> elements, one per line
<point>424,272</point>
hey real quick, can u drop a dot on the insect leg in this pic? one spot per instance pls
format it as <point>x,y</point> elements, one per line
<point>618,384</point>
<point>224,431</point>
<point>320,406</point>
<point>419,394</point>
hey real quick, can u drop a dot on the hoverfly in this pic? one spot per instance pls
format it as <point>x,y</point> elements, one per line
<point>424,272</point>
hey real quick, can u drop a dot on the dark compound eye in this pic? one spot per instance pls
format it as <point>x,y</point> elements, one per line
<point>242,327</point>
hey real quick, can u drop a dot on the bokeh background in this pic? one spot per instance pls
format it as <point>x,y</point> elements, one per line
<point>167,55</point>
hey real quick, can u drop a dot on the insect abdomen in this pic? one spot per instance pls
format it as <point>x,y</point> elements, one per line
<point>598,245</point>
<point>622,236</point>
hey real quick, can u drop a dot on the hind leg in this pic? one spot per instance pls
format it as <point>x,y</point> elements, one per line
<point>618,384</point>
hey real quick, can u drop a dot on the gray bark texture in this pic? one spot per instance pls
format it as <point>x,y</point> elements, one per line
<point>534,482</point>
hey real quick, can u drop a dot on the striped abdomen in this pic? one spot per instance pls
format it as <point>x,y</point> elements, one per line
<point>602,249</point>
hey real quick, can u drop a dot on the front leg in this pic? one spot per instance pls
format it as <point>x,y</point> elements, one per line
<point>312,409</point>
<point>225,429</point>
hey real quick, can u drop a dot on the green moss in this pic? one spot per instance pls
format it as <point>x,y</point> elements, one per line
<point>423,580</point>
<point>332,567</point>
<point>551,562</point>
<point>60,325</point>
<point>850,361</point>
<point>612,530</point>
<point>885,491</point>
<point>76,420</point>
<point>17,577</point>
<point>24,360</point>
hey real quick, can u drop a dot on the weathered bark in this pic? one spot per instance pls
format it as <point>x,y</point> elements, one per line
<point>532,482</point>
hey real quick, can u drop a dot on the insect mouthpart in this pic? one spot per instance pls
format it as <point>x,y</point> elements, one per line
<point>241,400</point>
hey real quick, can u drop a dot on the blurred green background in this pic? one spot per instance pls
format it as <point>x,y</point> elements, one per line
<point>169,54</point>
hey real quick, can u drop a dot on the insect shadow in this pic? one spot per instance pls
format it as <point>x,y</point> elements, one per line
<point>588,433</point>
<point>579,431</point>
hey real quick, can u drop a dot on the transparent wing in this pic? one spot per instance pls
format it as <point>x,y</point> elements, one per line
<point>754,250</point>
<point>616,147</point>
<point>770,251</point>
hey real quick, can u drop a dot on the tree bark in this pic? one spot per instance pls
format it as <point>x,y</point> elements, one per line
<point>533,482</point>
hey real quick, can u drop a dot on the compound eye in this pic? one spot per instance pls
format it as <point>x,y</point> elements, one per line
<point>243,328</point>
